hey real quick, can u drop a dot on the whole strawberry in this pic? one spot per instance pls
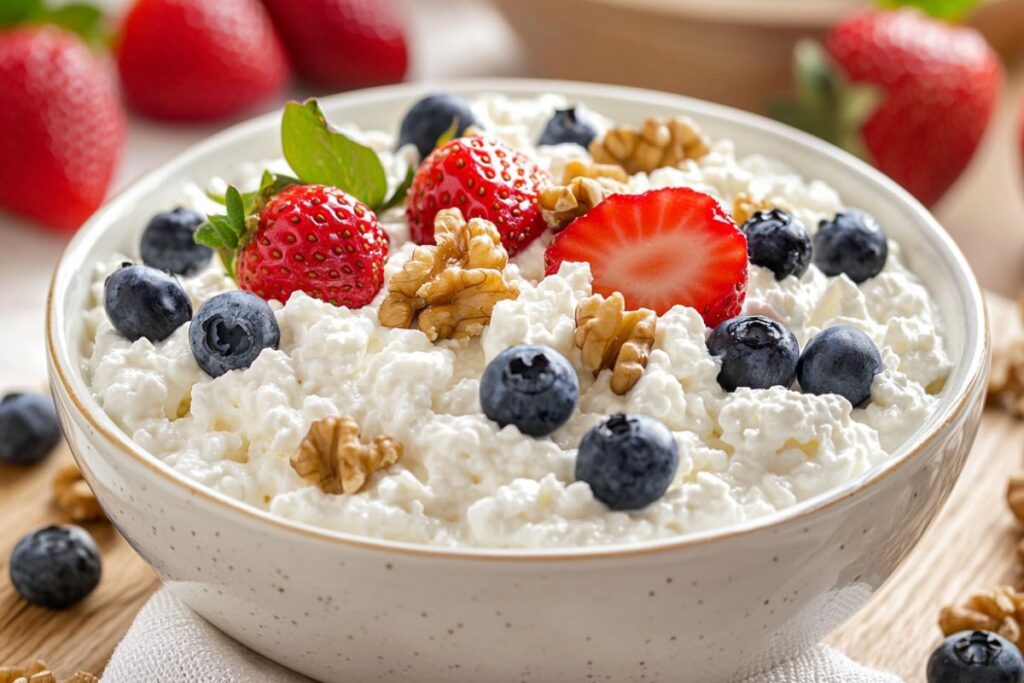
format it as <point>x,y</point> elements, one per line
<point>190,60</point>
<point>484,179</point>
<point>911,94</point>
<point>61,127</point>
<point>343,44</point>
<point>311,238</point>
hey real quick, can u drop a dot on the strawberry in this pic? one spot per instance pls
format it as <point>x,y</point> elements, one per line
<point>61,126</point>
<point>661,248</point>
<point>343,44</point>
<point>312,238</point>
<point>190,60</point>
<point>485,179</point>
<point>911,94</point>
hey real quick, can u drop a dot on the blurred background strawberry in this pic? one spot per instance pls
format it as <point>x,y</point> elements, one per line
<point>194,60</point>
<point>61,124</point>
<point>343,44</point>
<point>910,93</point>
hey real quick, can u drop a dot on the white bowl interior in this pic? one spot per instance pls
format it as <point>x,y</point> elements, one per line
<point>926,247</point>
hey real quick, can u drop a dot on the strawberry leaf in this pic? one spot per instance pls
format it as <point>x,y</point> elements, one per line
<point>226,232</point>
<point>826,103</point>
<point>16,11</point>
<point>950,10</point>
<point>85,20</point>
<point>322,155</point>
<point>403,189</point>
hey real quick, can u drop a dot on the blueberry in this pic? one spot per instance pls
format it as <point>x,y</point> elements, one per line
<point>231,330</point>
<point>29,430</point>
<point>569,125</point>
<point>628,460</point>
<point>429,118</point>
<point>168,242</point>
<point>853,243</point>
<point>145,302</point>
<point>55,566</point>
<point>976,657</point>
<point>755,352</point>
<point>839,360</point>
<point>530,386</point>
<point>779,242</point>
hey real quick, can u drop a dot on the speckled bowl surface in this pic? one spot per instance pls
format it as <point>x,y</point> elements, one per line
<point>706,607</point>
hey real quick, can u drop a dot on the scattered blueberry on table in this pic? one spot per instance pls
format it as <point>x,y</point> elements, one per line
<point>628,460</point>
<point>569,125</point>
<point>29,430</point>
<point>145,302</point>
<point>755,352</point>
<point>839,360</point>
<point>431,117</point>
<point>56,566</point>
<point>852,243</point>
<point>230,331</point>
<point>976,657</point>
<point>779,242</point>
<point>530,386</point>
<point>168,242</point>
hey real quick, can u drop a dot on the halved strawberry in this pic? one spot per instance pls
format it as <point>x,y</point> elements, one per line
<point>660,248</point>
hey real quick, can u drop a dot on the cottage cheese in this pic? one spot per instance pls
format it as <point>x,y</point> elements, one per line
<point>465,482</point>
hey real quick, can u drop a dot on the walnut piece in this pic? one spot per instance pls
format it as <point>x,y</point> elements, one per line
<point>73,495</point>
<point>655,144</point>
<point>611,337</point>
<point>611,177</point>
<point>333,455</point>
<point>999,609</point>
<point>39,672</point>
<point>449,289</point>
<point>562,204</point>
<point>744,206</point>
<point>1015,495</point>
<point>1006,381</point>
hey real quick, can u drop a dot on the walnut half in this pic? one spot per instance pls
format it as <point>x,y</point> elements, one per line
<point>997,609</point>
<point>655,144</point>
<point>334,456</point>
<point>562,204</point>
<point>72,494</point>
<point>450,288</point>
<point>39,672</point>
<point>611,337</point>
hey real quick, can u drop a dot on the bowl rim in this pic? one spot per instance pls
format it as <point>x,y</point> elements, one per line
<point>976,342</point>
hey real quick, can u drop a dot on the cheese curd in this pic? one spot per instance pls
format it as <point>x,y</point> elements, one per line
<point>463,481</point>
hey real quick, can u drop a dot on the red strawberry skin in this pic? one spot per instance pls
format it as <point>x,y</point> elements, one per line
<point>343,44</point>
<point>194,60</point>
<point>62,127</point>
<point>319,240</point>
<point>484,179</point>
<point>659,249</point>
<point>941,85</point>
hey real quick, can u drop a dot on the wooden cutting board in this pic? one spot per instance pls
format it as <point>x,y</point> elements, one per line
<point>970,545</point>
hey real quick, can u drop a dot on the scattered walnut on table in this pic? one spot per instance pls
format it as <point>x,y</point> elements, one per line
<point>334,456</point>
<point>1006,380</point>
<point>72,494</point>
<point>449,289</point>
<point>655,144</point>
<point>39,672</point>
<point>562,204</point>
<point>999,609</point>
<point>609,336</point>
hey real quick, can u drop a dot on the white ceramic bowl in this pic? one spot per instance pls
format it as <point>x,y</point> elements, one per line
<point>705,607</point>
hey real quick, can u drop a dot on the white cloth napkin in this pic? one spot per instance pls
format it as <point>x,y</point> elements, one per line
<point>168,642</point>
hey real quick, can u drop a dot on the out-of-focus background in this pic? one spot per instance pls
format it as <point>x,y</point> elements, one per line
<point>734,51</point>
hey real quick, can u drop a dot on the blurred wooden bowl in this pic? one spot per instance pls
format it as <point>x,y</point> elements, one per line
<point>736,52</point>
